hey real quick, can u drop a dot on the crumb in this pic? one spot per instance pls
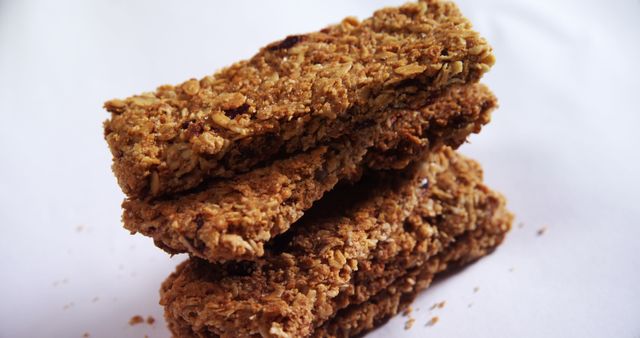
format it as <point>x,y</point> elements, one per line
<point>520,225</point>
<point>79,228</point>
<point>470,305</point>
<point>95,300</point>
<point>439,305</point>
<point>476,289</point>
<point>433,321</point>
<point>150,320</point>
<point>511,269</point>
<point>60,282</point>
<point>85,335</point>
<point>67,306</point>
<point>409,323</point>
<point>137,319</point>
<point>407,311</point>
<point>542,230</point>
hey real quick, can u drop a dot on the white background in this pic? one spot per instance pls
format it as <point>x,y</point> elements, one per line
<point>563,147</point>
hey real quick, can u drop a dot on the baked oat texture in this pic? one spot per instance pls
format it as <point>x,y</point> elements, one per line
<point>357,319</point>
<point>233,218</point>
<point>293,95</point>
<point>396,224</point>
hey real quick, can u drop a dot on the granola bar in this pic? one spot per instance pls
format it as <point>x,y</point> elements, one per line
<point>293,95</point>
<point>360,318</point>
<point>234,218</point>
<point>327,263</point>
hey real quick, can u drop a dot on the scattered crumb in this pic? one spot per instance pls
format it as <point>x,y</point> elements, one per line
<point>542,230</point>
<point>476,289</point>
<point>511,269</point>
<point>151,320</point>
<point>409,323</point>
<point>135,320</point>
<point>520,225</point>
<point>60,282</point>
<point>67,306</point>
<point>85,335</point>
<point>95,300</point>
<point>79,228</point>
<point>470,305</point>
<point>407,311</point>
<point>439,305</point>
<point>433,321</point>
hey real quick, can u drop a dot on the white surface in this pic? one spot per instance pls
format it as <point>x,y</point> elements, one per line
<point>563,147</point>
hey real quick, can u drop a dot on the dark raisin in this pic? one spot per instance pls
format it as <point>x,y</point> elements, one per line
<point>459,121</point>
<point>232,113</point>
<point>199,221</point>
<point>241,268</point>
<point>320,174</point>
<point>197,242</point>
<point>287,43</point>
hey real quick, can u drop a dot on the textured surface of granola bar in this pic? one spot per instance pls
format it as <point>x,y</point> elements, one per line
<point>233,218</point>
<point>291,96</point>
<point>359,318</point>
<point>326,263</point>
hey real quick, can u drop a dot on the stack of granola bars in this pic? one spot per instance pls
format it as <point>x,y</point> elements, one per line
<point>314,186</point>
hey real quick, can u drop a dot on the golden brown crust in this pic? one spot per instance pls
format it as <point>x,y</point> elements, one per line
<point>233,218</point>
<point>360,318</point>
<point>329,262</point>
<point>292,96</point>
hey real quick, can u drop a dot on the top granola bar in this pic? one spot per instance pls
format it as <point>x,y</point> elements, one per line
<point>292,95</point>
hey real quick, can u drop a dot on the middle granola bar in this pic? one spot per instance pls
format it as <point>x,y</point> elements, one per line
<point>233,219</point>
<point>335,258</point>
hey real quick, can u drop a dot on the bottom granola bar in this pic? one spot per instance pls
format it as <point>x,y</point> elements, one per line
<point>361,318</point>
<point>357,319</point>
<point>335,260</point>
